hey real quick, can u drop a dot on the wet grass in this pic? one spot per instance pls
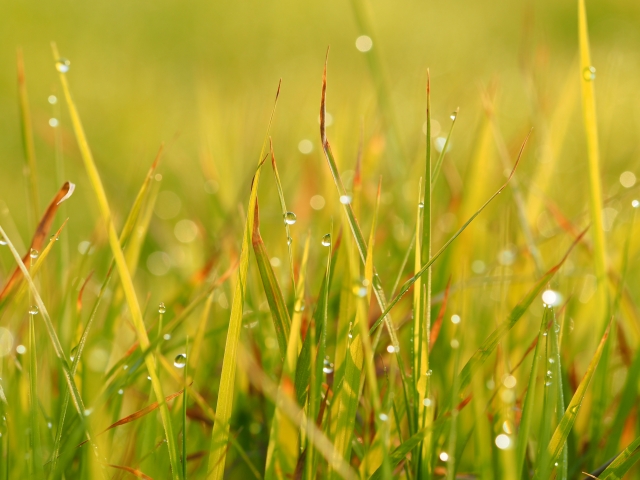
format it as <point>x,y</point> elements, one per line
<point>485,328</point>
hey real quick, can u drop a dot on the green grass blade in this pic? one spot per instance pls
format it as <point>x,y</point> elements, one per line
<point>283,205</point>
<point>558,402</point>
<point>272,290</point>
<point>559,438</point>
<point>529,400</point>
<point>224,408</point>
<point>587,77</point>
<point>282,451</point>
<point>121,264</point>
<point>623,462</point>
<point>36,445</point>
<point>401,452</point>
<point>438,166</point>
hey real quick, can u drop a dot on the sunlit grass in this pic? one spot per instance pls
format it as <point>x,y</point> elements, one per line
<point>428,307</point>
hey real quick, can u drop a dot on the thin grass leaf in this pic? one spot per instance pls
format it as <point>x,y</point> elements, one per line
<point>401,452</point>
<point>285,213</point>
<point>558,402</point>
<point>224,408</point>
<point>132,471</point>
<point>559,438</point>
<point>27,139</point>
<point>121,264</point>
<point>272,290</point>
<point>438,166</point>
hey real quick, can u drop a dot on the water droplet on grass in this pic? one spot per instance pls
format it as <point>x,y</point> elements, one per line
<point>453,115</point>
<point>290,218</point>
<point>34,310</point>
<point>180,361</point>
<point>162,308</point>
<point>345,199</point>
<point>34,253</point>
<point>326,240</point>
<point>327,366</point>
<point>63,65</point>
<point>589,73</point>
<point>73,353</point>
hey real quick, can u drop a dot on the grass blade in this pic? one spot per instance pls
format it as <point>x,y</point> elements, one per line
<point>409,283</point>
<point>121,264</point>
<point>559,438</point>
<point>623,462</point>
<point>41,233</point>
<point>220,432</point>
<point>272,290</point>
<point>529,400</point>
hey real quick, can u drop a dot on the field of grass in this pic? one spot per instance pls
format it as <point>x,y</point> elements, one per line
<point>229,251</point>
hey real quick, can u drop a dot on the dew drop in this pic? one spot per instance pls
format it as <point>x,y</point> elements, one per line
<point>120,392</point>
<point>34,253</point>
<point>162,308</point>
<point>429,373</point>
<point>326,240</point>
<point>289,218</point>
<point>383,417</point>
<point>345,199</point>
<point>289,240</point>
<point>421,205</point>
<point>74,352</point>
<point>180,361</point>
<point>327,366</point>
<point>2,242</point>
<point>34,310</point>
<point>551,360</point>
<point>359,287</point>
<point>63,65</point>
<point>589,73</point>
<point>53,99</point>
<point>453,115</point>
<point>167,336</point>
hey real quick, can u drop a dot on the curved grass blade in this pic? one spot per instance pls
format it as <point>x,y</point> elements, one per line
<point>224,407</point>
<point>401,452</point>
<point>132,471</point>
<point>41,233</point>
<point>121,264</point>
<point>272,290</point>
<point>559,438</point>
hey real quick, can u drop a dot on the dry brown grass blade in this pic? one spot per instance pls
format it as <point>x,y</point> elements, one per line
<point>40,235</point>
<point>139,414</point>
<point>132,471</point>
<point>81,292</point>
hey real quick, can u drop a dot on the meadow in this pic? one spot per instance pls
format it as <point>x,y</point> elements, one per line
<point>351,240</point>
